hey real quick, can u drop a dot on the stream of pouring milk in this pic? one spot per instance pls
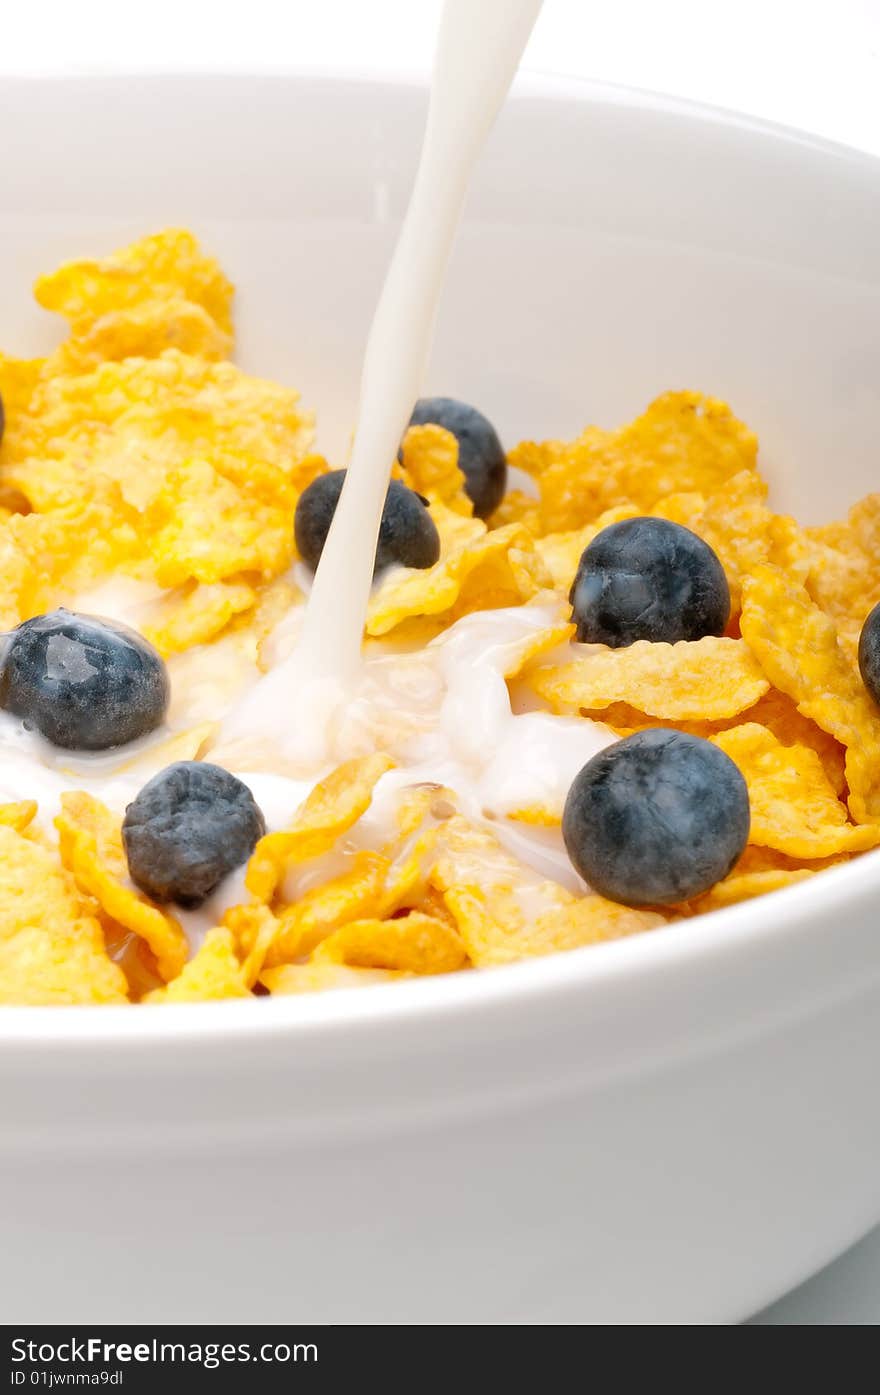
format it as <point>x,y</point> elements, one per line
<point>478,51</point>
<point>443,712</point>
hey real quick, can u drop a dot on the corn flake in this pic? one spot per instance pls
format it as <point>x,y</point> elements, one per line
<point>168,266</point>
<point>684,442</point>
<point>414,943</point>
<point>794,808</point>
<point>198,613</point>
<point>505,913</point>
<point>705,679</point>
<point>328,812</point>
<point>495,932</point>
<point>797,646</point>
<point>19,815</point>
<point>51,944</point>
<point>745,886</point>
<point>430,467</point>
<point>213,973</point>
<point>91,849</point>
<point>356,894</point>
<point>477,570</point>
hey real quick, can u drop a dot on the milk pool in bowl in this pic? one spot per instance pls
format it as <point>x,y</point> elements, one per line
<point>672,1129</point>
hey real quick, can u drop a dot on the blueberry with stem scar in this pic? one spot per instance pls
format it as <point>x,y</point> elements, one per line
<point>647,578</point>
<point>189,827</point>
<point>481,455</point>
<point>84,683</point>
<point>407,534</point>
<point>656,818</point>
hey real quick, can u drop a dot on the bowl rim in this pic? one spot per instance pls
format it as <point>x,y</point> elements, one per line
<point>780,917</point>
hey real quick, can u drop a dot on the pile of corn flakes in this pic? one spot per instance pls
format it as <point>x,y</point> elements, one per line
<point>138,449</point>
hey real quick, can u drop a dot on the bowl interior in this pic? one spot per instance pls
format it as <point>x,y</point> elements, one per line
<point>613,246</point>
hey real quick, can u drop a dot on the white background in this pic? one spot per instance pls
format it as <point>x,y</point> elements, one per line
<point>808,63</point>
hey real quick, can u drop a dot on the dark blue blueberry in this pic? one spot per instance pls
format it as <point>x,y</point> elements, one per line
<point>647,578</point>
<point>190,826</point>
<point>656,818</point>
<point>480,453</point>
<point>869,654</point>
<point>86,684</point>
<point>407,534</point>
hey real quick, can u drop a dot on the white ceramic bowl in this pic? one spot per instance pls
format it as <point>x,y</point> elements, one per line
<point>671,1128</point>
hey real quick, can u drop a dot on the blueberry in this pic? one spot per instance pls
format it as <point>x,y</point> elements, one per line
<point>869,654</point>
<point>480,453</point>
<point>407,533</point>
<point>647,578</point>
<point>189,827</point>
<point>84,683</point>
<point>656,818</point>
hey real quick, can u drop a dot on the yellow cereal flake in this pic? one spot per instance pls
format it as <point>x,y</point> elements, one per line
<point>797,646</point>
<point>477,570</point>
<point>518,507</point>
<point>356,894</point>
<point>40,551</point>
<point>793,807</point>
<point>745,886</point>
<point>18,379</point>
<point>516,654</point>
<point>413,943</point>
<point>495,931</point>
<point>504,912</point>
<point>462,853</point>
<point>213,973</point>
<point>684,442</point>
<point>780,715</point>
<point>141,331</point>
<point>205,528</point>
<point>91,849</point>
<point>174,465</point>
<point>167,266</point>
<point>536,815</point>
<point>705,679</point>
<point>51,944</point>
<point>328,812</point>
<point>17,582</point>
<point>19,815</point>
<point>197,614</point>
<point>422,812</point>
<point>842,575</point>
<point>407,885</point>
<point>430,467</point>
<point>254,927</point>
<point>133,955</point>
